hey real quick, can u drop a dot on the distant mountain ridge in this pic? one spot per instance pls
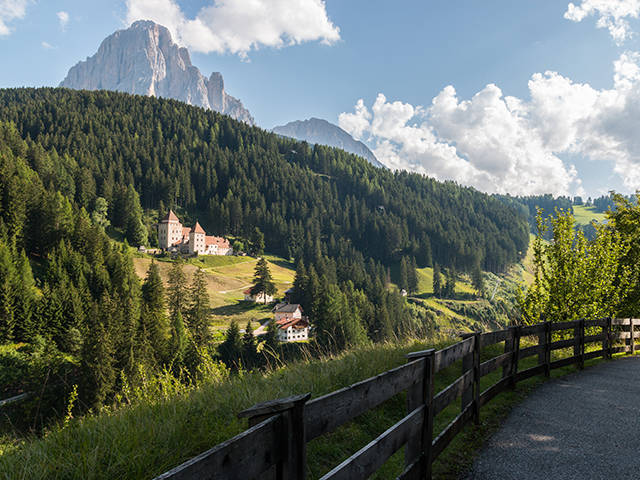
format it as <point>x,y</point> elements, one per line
<point>143,59</point>
<point>316,130</point>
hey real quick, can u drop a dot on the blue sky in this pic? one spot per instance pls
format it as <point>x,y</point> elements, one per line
<point>456,77</point>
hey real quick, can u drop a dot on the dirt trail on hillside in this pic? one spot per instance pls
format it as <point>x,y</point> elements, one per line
<point>582,426</point>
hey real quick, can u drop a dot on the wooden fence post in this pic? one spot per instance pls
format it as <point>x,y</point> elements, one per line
<point>542,339</point>
<point>581,363</point>
<point>632,343</point>
<point>467,364</point>
<point>421,393</point>
<point>547,349</point>
<point>516,355</point>
<point>609,342</point>
<point>509,343</point>
<point>294,465</point>
<point>476,379</point>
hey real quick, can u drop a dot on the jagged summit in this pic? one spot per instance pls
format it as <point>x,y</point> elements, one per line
<point>317,130</point>
<point>143,59</point>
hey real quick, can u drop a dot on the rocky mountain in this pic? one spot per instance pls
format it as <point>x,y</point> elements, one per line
<point>144,60</point>
<point>316,130</point>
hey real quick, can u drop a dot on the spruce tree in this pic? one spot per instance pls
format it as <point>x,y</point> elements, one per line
<point>199,309</point>
<point>249,347</point>
<point>230,349</point>
<point>7,282</point>
<point>257,243</point>
<point>262,280</point>
<point>476,279</point>
<point>450,287</point>
<point>437,281</point>
<point>177,295</point>
<point>403,283</point>
<point>153,321</point>
<point>412,276</point>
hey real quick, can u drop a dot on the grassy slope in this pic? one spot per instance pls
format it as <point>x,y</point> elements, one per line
<point>227,278</point>
<point>145,440</point>
<point>584,215</point>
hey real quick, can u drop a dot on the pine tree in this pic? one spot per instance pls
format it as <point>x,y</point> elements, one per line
<point>249,351</point>
<point>177,289</point>
<point>412,276</point>
<point>437,281</point>
<point>230,349</point>
<point>262,280</point>
<point>257,243</point>
<point>178,342</point>
<point>450,286</point>
<point>7,282</point>
<point>199,310</point>
<point>476,279</point>
<point>403,283</point>
<point>153,321</point>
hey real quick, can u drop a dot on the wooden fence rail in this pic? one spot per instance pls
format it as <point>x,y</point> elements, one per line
<point>274,446</point>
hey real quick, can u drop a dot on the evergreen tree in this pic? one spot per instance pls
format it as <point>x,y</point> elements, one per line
<point>153,321</point>
<point>403,283</point>
<point>257,243</point>
<point>230,350</point>
<point>178,343</point>
<point>7,282</point>
<point>177,289</point>
<point>450,286</point>
<point>412,276</point>
<point>271,340</point>
<point>262,280</point>
<point>199,310</point>
<point>437,281</point>
<point>249,351</point>
<point>477,280</point>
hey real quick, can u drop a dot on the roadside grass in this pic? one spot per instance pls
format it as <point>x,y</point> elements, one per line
<point>144,440</point>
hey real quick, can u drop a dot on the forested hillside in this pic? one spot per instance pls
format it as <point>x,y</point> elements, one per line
<point>234,177</point>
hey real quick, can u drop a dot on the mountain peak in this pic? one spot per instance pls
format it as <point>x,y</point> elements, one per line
<point>317,130</point>
<point>143,59</point>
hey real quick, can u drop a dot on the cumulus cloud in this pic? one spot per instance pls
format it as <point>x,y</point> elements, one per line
<point>63,18</point>
<point>46,45</point>
<point>11,10</point>
<point>613,15</point>
<point>506,144</point>
<point>239,26</point>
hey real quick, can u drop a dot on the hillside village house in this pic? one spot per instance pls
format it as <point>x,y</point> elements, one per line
<point>173,236</point>
<point>292,326</point>
<point>262,297</point>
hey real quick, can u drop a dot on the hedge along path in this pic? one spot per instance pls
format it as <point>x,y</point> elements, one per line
<point>280,429</point>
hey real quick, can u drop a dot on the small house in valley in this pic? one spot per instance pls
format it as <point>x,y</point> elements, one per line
<point>261,297</point>
<point>287,310</point>
<point>292,325</point>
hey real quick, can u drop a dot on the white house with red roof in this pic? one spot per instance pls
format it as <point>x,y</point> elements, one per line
<point>292,325</point>
<point>261,297</point>
<point>172,235</point>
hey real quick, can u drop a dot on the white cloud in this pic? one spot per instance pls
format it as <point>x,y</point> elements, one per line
<point>11,10</point>
<point>63,18</point>
<point>612,15</point>
<point>507,144</point>
<point>46,45</point>
<point>239,26</point>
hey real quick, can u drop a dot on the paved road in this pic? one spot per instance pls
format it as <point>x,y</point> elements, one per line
<point>583,426</point>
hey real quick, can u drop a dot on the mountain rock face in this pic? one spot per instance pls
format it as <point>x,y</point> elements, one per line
<point>144,60</point>
<point>316,130</point>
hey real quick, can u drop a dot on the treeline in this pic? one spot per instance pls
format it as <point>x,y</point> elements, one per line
<point>233,177</point>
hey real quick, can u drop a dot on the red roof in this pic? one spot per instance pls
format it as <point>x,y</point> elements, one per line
<point>221,242</point>
<point>297,323</point>
<point>171,217</point>
<point>197,228</point>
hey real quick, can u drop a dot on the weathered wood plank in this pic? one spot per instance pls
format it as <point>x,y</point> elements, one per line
<point>445,357</point>
<point>411,472</point>
<point>529,351</point>
<point>494,363</point>
<point>449,394</point>
<point>493,390</point>
<point>244,456</point>
<point>530,372</point>
<point>491,338</point>
<point>595,354</point>
<point>532,329</point>
<point>17,398</point>
<point>617,336</point>
<point>564,325</point>
<point>445,437</point>
<point>325,414</point>
<point>372,456</point>
<point>570,342</point>
<point>619,321</point>
<point>563,362</point>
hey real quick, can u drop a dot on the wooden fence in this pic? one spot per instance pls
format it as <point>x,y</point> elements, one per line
<point>274,446</point>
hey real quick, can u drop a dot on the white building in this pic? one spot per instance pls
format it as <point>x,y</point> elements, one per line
<point>172,235</point>
<point>262,297</point>
<point>293,329</point>
<point>287,310</point>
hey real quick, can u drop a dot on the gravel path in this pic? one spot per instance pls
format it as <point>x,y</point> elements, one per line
<point>582,426</point>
